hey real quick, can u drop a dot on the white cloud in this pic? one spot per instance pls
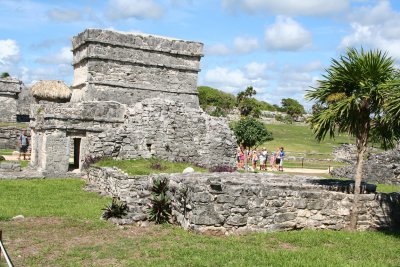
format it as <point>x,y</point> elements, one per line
<point>272,82</point>
<point>9,52</point>
<point>232,80</point>
<point>64,56</point>
<point>245,44</point>
<point>255,69</point>
<point>139,9</point>
<point>59,72</point>
<point>241,45</point>
<point>286,34</point>
<point>312,66</point>
<point>375,27</point>
<point>64,15</point>
<point>217,50</point>
<point>287,7</point>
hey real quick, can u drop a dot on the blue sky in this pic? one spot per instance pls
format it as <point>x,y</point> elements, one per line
<point>281,48</point>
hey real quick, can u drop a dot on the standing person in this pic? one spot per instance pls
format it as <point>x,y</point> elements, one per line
<point>263,159</point>
<point>281,155</point>
<point>255,159</point>
<point>272,161</point>
<point>23,144</point>
<point>238,151</point>
<point>277,158</point>
<point>242,158</point>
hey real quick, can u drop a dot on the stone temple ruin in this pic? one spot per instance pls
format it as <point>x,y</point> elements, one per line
<point>133,96</point>
<point>15,100</point>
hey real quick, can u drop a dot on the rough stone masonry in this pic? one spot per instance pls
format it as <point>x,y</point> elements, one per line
<point>9,90</point>
<point>129,68</point>
<point>134,96</point>
<point>242,202</point>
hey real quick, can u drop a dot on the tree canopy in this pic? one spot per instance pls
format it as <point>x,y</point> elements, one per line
<point>4,75</point>
<point>250,133</point>
<point>292,107</point>
<point>354,98</point>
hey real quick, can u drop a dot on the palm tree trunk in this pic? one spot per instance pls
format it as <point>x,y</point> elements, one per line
<point>361,148</point>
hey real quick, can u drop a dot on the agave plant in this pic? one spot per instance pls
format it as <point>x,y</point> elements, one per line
<point>160,203</point>
<point>116,209</point>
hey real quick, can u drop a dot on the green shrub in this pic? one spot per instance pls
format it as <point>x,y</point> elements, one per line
<point>266,106</point>
<point>218,112</point>
<point>285,119</point>
<point>213,97</point>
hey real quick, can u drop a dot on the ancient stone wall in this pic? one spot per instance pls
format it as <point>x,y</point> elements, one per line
<point>383,168</point>
<point>237,202</point>
<point>54,126</point>
<point>9,136</point>
<point>9,90</point>
<point>128,68</point>
<point>169,130</point>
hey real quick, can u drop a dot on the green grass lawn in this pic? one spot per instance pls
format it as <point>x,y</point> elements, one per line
<point>49,197</point>
<point>5,152</point>
<point>21,125</point>
<point>386,188</point>
<point>299,138</point>
<point>144,166</point>
<point>66,232</point>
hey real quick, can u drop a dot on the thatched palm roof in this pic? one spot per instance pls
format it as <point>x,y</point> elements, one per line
<point>51,90</point>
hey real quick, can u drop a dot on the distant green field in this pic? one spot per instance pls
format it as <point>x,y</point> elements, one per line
<point>300,139</point>
<point>20,125</point>
<point>147,166</point>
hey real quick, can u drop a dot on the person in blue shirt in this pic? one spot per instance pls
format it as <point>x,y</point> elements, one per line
<point>23,144</point>
<point>281,156</point>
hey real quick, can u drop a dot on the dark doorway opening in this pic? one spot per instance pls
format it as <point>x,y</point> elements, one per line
<point>76,153</point>
<point>23,118</point>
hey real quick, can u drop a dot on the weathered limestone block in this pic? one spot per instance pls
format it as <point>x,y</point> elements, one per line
<point>9,90</point>
<point>10,166</point>
<point>129,68</point>
<point>169,130</point>
<point>381,168</point>
<point>195,205</point>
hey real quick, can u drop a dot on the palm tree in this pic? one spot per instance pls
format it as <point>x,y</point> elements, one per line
<point>352,97</point>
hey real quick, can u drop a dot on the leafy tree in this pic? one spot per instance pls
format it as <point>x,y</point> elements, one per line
<point>278,108</point>
<point>248,93</point>
<point>249,107</point>
<point>266,106</point>
<point>292,107</point>
<point>5,75</point>
<point>353,95</point>
<point>250,133</point>
<point>213,97</point>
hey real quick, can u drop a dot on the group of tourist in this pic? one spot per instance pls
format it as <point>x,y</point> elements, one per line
<point>261,158</point>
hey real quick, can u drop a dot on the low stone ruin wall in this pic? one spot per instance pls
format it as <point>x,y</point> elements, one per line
<point>237,202</point>
<point>9,137</point>
<point>10,166</point>
<point>382,168</point>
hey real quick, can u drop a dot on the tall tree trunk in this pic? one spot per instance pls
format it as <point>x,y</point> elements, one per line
<point>361,148</point>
